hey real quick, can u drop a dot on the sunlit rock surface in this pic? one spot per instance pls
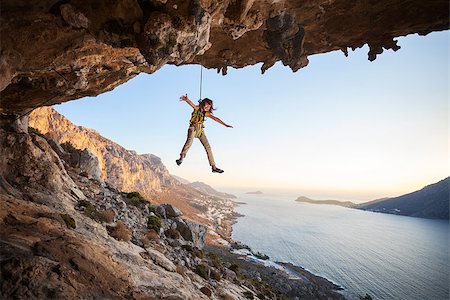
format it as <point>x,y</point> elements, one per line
<point>122,168</point>
<point>55,51</point>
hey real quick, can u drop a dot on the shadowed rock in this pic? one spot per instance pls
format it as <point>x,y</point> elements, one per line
<point>57,51</point>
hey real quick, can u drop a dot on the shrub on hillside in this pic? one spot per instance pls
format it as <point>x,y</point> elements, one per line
<point>203,271</point>
<point>154,222</point>
<point>152,208</point>
<point>32,130</point>
<point>136,199</point>
<point>121,232</point>
<point>70,222</point>
<point>91,211</point>
<point>172,233</point>
<point>149,237</point>
<point>68,147</point>
<point>193,250</point>
<point>109,215</point>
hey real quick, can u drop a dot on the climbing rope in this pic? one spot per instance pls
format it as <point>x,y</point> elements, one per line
<point>201,81</point>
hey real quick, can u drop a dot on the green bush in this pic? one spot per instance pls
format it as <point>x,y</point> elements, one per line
<point>91,211</point>
<point>213,255</point>
<point>152,209</point>
<point>187,247</point>
<point>70,222</point>
<point>154,222</point>
<point>133,194</point>
<point>68,147</point>
<point>136,199</point>
<point>32,130</point>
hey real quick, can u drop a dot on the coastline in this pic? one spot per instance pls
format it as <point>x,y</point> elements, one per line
<point>285,277</point>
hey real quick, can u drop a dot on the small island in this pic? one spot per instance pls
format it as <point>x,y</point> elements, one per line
<point>255,193</point>
<point>327,202</point>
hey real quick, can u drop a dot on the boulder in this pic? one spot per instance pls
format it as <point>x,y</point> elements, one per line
<point>168,211</point>
<point>159,259</point>
<point>192,232</point>
<point>206,290</point>
<point>57,148</point>
<point>88,163</point>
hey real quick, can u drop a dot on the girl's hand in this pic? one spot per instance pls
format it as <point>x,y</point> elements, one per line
<point>184,98</point>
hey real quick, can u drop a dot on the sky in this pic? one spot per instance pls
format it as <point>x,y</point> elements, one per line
<point>342,128</point>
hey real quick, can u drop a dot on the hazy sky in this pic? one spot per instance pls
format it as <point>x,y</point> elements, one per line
<point>342,128</point>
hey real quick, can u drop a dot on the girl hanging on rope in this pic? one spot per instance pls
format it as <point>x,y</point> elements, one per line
<point>201,111</point>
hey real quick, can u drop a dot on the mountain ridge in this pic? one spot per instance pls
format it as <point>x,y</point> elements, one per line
<point>435,204</point>
<point>203,187</point>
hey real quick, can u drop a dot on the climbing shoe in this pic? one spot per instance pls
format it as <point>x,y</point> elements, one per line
<point>179,161</point>
<point>217,170</point>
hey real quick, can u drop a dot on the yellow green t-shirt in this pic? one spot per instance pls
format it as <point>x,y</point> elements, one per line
<point>198,117</point>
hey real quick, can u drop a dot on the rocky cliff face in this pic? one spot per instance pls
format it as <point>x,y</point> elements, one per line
<point>55,51</point>
<point>65,236</point>
<point>122,168</point>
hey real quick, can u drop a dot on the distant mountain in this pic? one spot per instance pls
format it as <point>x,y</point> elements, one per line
<point>181,180</point>
<point>204,188</point>
<point>328,202</point>
<point>431,202</point>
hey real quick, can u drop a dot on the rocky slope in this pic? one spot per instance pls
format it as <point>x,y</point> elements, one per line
<point>101,159</point>
<point>55,51</point>
<point>65,234</point>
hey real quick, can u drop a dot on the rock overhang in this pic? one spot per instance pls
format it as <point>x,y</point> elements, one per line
<point>57,51</point>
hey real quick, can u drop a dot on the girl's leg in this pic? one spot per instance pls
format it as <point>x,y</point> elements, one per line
<point>188,144</point>
<point>207,147</point>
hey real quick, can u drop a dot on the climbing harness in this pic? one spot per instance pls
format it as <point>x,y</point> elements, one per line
<point>197,119</point>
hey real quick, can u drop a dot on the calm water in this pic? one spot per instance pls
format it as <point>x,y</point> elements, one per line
<point>386,256</point>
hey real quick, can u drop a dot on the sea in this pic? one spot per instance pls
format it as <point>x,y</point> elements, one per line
<point>385,256</point>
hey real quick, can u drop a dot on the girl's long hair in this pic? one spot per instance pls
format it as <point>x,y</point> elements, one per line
<point>206,100</point>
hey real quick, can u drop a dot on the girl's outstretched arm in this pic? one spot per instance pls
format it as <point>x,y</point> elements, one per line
<point>186,99</point>
<point>219,121</point>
